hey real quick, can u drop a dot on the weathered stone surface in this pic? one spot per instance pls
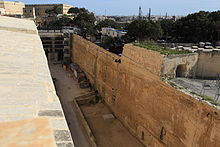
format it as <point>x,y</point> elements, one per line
<point>26,87</point>
<point>14,25</point>
<point>25,133</point>
<point>202,64</point>
<point>208,64</point>
<point>62,135</point>
<point>52,113</point>
<point>59,123</point>
<point>171,63</point>
<point>155,112</point>
<point>64,145</point>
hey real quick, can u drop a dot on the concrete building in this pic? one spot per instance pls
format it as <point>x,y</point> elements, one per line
<point>30,110</point>
<point>100,18</point>
<point>9,8</point>
<point>2,11</point>
<point>113,32</point>
<point>56,44</point>
<point>38,12</point>
<point>40,9</point>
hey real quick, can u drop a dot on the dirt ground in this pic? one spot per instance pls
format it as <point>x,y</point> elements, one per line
<point>196,86</point>
<point>109,132</point>
<point>67,88</point>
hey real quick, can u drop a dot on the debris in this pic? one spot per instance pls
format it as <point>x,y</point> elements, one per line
<point>108,116</point>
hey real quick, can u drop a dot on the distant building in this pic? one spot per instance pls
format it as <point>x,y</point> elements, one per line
<point>113,32</point>
<point>38,12</point>
<point>2,11</point>
<point>56,43</point>
<point>8,8</point>
<point>100,18</point>
<point>40,9</point>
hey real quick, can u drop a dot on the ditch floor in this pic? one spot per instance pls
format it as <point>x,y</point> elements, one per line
<point>205,88</point>
<point>107,130</point>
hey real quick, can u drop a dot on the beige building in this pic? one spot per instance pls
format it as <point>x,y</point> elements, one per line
<point>11,8</point>
<point>38,12</point>
<point>112,32</point>
<point>56,45</point>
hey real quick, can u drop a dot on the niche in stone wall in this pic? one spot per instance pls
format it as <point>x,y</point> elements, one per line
<point>181,70</point>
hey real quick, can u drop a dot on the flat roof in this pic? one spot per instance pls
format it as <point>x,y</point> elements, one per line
<point>48,5</point>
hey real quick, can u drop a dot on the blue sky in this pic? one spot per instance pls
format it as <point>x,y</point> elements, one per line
<point>130,7</point>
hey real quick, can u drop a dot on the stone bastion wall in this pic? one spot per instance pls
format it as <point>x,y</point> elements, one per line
<point>153,111</point>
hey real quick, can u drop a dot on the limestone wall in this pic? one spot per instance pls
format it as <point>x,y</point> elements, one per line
<point>156,113</point>
<point>30,111</point>
<point>12,8</point>
<point>208,64</point>
<point>201,65</point>
<point>171,63</point>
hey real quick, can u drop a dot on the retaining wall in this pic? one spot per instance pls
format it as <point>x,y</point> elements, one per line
<point>156,113</point>
<point>208,64</point>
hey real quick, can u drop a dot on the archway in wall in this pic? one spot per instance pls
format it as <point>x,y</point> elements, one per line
<point>181,70</point>
<point>60,55</point>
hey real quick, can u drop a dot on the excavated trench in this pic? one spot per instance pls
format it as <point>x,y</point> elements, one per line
<point>95,123</point>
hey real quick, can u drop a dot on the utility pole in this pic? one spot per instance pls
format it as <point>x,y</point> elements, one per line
<point>149,15</point>
<point>166,16</point>
<point>140,14</point>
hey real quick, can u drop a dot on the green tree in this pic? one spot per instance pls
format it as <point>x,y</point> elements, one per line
<point>76,10</point>
<point>214,18</point>
<point>193,28</point>
<point>144,30</point>
<point>109,41</point>
<point>86,22</point>
<point>167,27</point>
<point>84,19</point>
<point>60,22</point>
<point>107,23</point>
<point>54,11</point>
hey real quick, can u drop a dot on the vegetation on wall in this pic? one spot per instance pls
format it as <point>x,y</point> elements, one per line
<point>161,50</point>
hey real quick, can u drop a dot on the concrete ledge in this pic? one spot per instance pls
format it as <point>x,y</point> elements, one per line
<point>18,30</point>
<point>84,124</point>
<point>26,88</point>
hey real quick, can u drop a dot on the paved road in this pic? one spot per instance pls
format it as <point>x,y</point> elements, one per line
<point>196,85</point>
<point>67,89</point>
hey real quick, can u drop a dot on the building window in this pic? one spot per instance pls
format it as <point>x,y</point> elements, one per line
<point>30,11</point>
